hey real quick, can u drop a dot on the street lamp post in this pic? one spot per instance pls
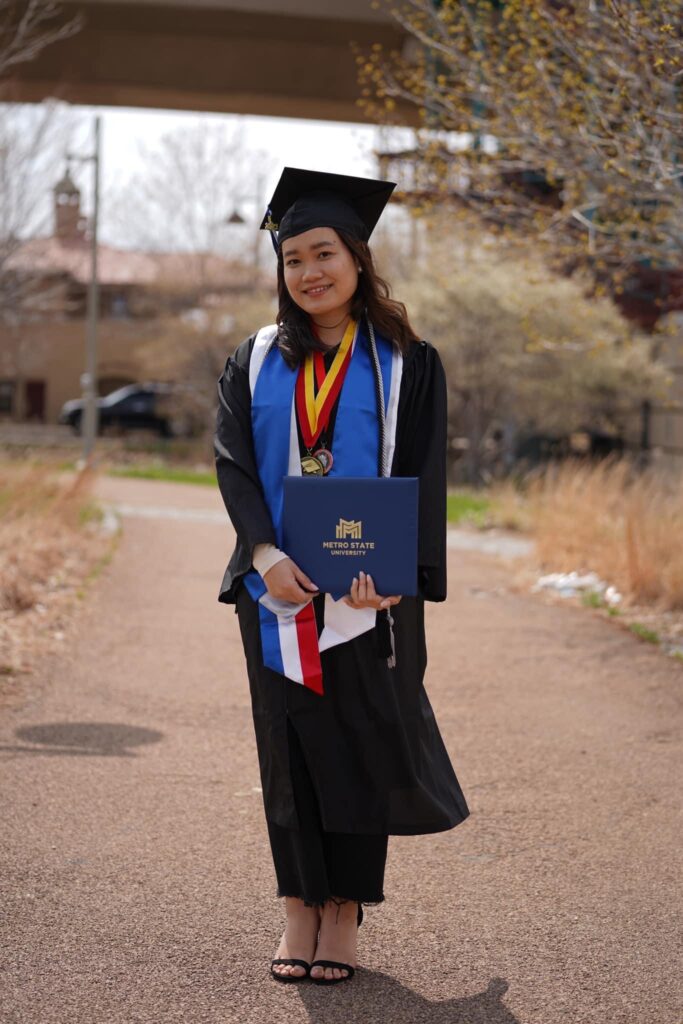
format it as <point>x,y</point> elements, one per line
<point>237,218</point>
<point>89,377</point>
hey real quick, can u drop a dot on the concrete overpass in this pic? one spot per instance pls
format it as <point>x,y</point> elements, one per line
<point>288,58</point>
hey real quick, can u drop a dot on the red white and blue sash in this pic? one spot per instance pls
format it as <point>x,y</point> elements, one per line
<point>289,635</point>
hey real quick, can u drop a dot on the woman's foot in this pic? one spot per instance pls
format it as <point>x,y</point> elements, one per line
<point>338,939</point>
<point>298,939</point>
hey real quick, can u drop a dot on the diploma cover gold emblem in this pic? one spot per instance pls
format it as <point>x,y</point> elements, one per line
<point>349,528</point>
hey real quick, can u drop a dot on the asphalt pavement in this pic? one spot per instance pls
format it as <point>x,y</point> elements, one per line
<point>137,884</point>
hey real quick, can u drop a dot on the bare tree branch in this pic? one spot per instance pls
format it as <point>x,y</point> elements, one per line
<point>28,27</point>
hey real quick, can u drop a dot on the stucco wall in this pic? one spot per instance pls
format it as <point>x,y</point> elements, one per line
<point>55,353</point>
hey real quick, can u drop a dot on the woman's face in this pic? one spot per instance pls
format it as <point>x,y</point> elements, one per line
<point>320,273</point>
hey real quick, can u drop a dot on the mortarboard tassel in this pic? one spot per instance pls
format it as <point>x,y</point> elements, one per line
<point>391,660</point>
<point>384,635</point>
<point>272,230</point>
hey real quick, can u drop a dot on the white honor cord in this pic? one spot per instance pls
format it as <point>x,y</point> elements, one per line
<point>391,660</point>
<point>380,388</point>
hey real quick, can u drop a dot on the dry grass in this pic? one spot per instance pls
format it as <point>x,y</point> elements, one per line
<point>624,525</point>
<point>47,548</point>
<point>509,507</point>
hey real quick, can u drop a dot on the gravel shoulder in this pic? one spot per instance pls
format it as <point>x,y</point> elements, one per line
<point>137,879</point>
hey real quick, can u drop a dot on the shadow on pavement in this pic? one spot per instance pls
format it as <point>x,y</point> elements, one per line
<point>373,996</point>
<point>99,739</point>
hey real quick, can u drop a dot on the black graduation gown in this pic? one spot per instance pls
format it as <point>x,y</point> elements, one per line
<point>371,742</point>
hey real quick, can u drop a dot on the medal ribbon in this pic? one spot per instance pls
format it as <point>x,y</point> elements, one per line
<point>314,410</point>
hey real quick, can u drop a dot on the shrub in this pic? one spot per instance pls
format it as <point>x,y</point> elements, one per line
<point>527,352</point>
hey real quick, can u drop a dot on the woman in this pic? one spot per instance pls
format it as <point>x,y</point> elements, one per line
<point>341,385</point>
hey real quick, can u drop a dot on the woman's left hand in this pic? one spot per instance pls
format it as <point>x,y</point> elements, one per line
<point>363,594</point>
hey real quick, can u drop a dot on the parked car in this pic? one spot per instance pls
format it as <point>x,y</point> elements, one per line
<point>133,407</point>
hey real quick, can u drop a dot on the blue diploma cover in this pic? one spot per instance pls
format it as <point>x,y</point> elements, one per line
<point>334,527</point>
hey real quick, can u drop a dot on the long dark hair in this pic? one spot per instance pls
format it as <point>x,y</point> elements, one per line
<point>372,298</point>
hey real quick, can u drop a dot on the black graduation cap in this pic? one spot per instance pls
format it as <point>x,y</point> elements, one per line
<point>306,199</point>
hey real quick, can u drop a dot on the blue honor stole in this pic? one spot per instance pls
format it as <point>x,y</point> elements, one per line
<point>289,636</point>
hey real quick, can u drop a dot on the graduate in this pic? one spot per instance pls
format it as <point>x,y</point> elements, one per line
<point>348,746</point>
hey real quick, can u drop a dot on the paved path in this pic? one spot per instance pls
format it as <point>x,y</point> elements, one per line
<point>136,878</point>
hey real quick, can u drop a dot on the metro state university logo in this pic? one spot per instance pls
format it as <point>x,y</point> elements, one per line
<point>349,528</point>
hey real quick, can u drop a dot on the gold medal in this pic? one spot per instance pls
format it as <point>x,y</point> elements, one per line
<point>311,466</point>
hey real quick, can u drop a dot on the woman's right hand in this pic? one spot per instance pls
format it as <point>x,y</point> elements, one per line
<point>287,582</point>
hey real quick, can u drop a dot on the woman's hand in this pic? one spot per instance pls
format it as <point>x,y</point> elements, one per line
<point>363,594</point>
<point>287,582</point>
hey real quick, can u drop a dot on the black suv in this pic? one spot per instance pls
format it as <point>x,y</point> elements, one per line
<point>133,407</point>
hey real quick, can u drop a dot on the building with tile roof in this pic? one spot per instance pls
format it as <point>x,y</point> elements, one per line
<point>43,297</point>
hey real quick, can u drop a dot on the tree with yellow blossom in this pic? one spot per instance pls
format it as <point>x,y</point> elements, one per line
<point>573,116</point>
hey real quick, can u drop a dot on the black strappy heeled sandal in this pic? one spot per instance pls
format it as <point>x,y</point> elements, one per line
<point>290,961</point>
<point>335,963</point>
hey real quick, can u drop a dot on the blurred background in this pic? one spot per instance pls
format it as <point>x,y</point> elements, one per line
<point>535,237</point>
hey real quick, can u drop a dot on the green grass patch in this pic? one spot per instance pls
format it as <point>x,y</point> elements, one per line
<point>594,599</point>
<point>6,495</point>
<point>99,567</point>
<point>678,655</point>
<point>176,475</point>
<point>104,561</point>
<point>90,513</point>
<point>644,632</point>
<point>464,507</point>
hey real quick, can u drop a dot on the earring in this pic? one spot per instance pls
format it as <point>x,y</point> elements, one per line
<point>359,269</point>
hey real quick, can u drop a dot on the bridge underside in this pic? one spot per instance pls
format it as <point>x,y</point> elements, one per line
<point>291,59</point>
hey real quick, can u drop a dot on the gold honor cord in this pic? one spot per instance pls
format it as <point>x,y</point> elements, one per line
<point>315,403</point>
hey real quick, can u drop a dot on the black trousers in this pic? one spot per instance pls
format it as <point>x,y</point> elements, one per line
<point>316,866</point>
